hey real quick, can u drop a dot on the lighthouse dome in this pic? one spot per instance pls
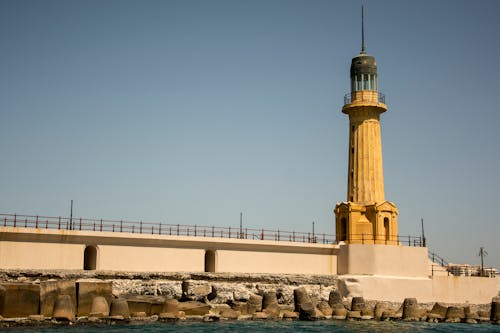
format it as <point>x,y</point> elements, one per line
<point>363,64</point>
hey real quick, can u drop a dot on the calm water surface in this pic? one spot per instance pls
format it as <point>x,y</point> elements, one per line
<point>256,327</point>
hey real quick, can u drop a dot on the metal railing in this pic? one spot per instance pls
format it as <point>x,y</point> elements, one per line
<point>437,259</point>
<point>386,239</point>
<point>159,228</point>
<point>348,98</point>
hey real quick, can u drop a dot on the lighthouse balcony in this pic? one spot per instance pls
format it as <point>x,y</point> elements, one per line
<point>364,96</point>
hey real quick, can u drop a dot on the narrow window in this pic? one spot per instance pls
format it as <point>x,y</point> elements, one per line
<point>343,229</point>
<point>386,227</point>
<point>209,261</point>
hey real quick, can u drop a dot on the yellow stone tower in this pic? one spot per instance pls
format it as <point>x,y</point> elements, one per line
<point>366,217</point>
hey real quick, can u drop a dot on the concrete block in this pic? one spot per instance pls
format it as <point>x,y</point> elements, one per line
<point>88,290</point>
<point>63,308</point>
<point>194,308</point>
<point>119,307</point>
<point>49,290</point>
<point>19,300</point>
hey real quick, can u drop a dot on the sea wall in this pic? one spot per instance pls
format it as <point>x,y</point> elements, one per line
<point>50,297</point>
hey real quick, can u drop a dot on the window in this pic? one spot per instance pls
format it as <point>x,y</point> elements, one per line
<point>90,258</point>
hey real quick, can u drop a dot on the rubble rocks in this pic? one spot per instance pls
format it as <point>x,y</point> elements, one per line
<point>194,298</point>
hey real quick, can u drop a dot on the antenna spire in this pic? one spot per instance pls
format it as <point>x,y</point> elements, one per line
<point>362,28</point>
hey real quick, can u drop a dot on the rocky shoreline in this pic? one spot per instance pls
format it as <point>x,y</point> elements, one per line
<point>48,298</point>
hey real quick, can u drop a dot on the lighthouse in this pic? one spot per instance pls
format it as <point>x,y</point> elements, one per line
<point>365,217</point>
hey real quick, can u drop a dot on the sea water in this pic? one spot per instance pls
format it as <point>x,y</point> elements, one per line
<point>257,327</point>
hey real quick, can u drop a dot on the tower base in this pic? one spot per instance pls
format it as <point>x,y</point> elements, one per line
<point>375,223</point>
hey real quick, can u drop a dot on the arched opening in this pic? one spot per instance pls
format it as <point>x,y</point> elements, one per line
<point>386,228</point>
<point>90,258</point>
<point>209,261</point>
<point>343,229</point>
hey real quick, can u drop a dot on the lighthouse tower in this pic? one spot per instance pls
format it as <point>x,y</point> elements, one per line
<point>365,218</point>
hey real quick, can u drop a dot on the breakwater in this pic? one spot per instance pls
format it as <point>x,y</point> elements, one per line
<point>80,297</point>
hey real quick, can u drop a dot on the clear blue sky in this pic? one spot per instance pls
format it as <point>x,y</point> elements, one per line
<point>191,112</point>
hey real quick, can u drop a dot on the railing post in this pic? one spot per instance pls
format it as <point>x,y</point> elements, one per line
<point>121,225</point>
<point>133,228</point>
<point>409,244</point>
<point>46,224</point>
<point>229,232</point>
<point>94,225</point>
<point>80,223</point>
<point>159,230</point>
<point>113,227</point>
<point>177,229</point>
<point>213,231</point>
<point>140,230</point>
<point>152,229</point>
<point>59,224</point>
<point>262,235</point>
<point>246,233</point>
<point>26,222</point>
<point>293,235</point>
<point>362,238</point>
<point>5,221</point>
<point>36,225</point>
<point>170,231</point>
<point>278,234</point>
<point>324,238</point>
<point>15,220</point>
<point>100,227</point>
<point>195,230</point>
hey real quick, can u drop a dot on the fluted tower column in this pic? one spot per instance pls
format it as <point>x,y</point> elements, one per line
<point>365,182</point>
<point>366,217</point>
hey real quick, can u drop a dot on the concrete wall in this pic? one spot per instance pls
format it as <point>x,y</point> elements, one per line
<point>133,258</point>
<point>392,260</point>
<point>39,255</point>
<point>275,262</point>
<point>26,248</point>
<point>446,289</point>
